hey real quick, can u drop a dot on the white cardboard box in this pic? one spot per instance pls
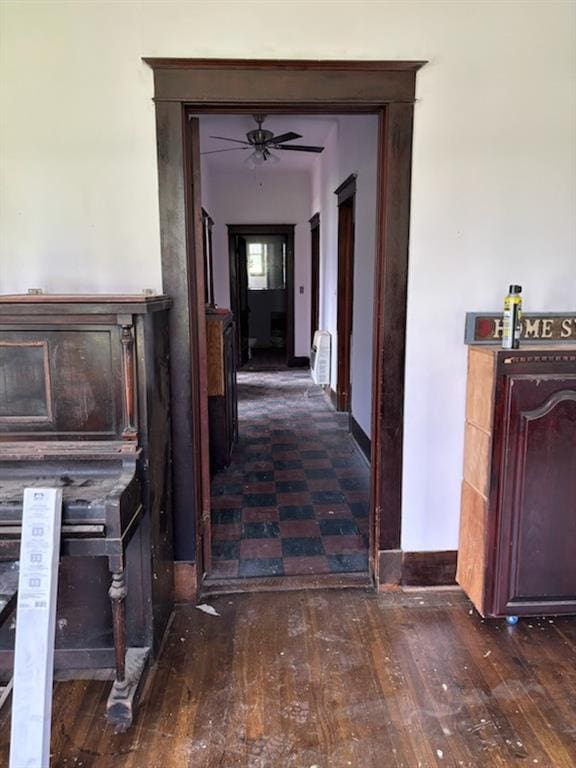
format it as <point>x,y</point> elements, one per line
<point>35,628</point>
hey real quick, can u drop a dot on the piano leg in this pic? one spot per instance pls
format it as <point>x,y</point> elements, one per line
<point>117,593</point>
<point>130,663</point>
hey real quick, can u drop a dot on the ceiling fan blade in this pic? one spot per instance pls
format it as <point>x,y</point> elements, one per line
<point>230,149</point>
<point>299,148</point>
<point>290,136</point>
<point>237,141</point>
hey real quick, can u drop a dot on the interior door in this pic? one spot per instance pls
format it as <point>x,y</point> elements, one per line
<point>314,276</point>
<point>243,312</point>
<point>345,301</point>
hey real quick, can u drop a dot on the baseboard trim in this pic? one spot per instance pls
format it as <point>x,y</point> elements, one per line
<point>185,582</point>
<point>333,397</point>
<point>361,438</point>
<point>417,569</point>
<point>389,568</point>
<point>429,569</point>
<point>215,586</point>
<point>299,362</point>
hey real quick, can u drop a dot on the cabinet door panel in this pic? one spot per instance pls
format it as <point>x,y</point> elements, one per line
<point>537,548</point>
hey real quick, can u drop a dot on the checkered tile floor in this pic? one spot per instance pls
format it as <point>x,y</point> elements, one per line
<point>295,498</point>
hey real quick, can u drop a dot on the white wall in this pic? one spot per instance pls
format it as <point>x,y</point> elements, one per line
<point>351,148</point>
<point>262,197</point>
<point>493,187</point>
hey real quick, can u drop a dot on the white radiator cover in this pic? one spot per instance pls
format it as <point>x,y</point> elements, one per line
<point>320,358</point>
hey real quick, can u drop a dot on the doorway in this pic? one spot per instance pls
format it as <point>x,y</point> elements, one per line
<point>314,275</point>
<point>261,268</point>
<point>191,86</point>
<point>346,194</point>
<point>292,497</point>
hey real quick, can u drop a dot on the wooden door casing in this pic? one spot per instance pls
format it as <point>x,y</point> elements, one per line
<point>239,296</point>
<point>187,87</point>
<point>243,317</point>
<point>314,276</point>
<point>230,384</point>
<point>239,283</point>
<point>536,565</point>
<point>345,309</point>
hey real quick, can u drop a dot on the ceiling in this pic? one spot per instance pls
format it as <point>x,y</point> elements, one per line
<point>314,130</point>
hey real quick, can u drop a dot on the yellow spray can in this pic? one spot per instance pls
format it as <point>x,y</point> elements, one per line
<point>511,326</point>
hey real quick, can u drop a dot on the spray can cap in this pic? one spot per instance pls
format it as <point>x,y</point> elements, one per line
<point>515,289</point>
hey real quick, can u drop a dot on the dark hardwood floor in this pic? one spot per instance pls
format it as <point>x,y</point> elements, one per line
<point>337,678</point>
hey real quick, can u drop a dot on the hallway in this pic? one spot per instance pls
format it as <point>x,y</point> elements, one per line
<point>294,500</point>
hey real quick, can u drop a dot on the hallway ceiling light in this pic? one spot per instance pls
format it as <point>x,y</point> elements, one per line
<point>261,142</point>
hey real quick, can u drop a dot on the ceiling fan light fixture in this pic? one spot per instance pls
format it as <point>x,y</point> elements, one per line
<point>261,155</point>
<point>255,159</point>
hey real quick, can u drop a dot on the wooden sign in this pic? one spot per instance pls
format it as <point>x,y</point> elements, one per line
<point>35,628</point>
<point>548,327</point>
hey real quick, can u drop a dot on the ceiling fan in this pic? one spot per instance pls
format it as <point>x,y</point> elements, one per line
<point>262,142</point>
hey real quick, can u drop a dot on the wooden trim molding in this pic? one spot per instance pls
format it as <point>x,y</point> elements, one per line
<point>207,227</point>
<point>314,276</point>
<point>391,288</point>
<point>367,65</point>
<point>197,318</point>
<point>277,83</point>
<point>346,193</point>
<point>178,283</point>
<point>332,396</point>
<point>185,87</point>
<point>347,189</point>
<point>185,582</point>
<point>390,568</point>
<point>429,569</point>
<point>262,229</point>
<point>417,569</point>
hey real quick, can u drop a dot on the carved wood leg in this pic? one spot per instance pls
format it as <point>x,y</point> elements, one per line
<point>117,593</point>
<point>131,663</point>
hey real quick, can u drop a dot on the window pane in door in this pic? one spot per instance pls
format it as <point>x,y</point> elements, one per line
<point>266,263</point>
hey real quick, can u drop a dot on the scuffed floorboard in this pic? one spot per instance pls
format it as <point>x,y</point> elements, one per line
<point>337,678</point>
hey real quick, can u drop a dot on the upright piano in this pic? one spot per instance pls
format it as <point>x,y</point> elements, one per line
<point>84,405</point>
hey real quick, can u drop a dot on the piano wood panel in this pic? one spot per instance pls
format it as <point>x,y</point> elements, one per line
<point>76,371</point>
<point>25,384</point>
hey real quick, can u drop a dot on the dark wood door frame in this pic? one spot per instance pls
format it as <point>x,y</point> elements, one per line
<point>238,278</point>
<point>207,244</point>
<point>314,276</point>
<point>346,194</point>
<point>184,87</point>
<point>286,230</point>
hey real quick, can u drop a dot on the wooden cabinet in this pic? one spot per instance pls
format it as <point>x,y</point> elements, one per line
<point>222,397</point>
<point>517,552</point>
